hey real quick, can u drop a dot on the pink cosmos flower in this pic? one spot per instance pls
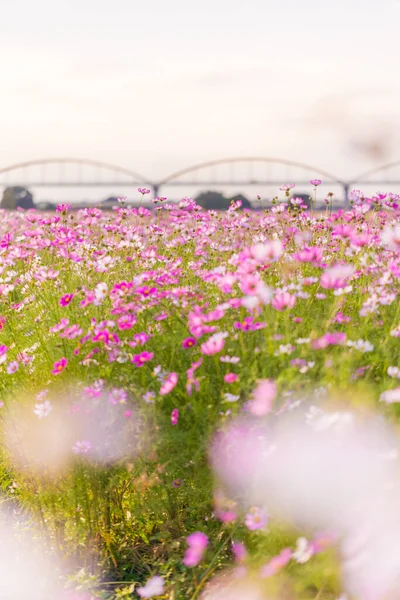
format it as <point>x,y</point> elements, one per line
<point>63,208</point>
<point>191,380</point>
<point>239,551</point>
<point>225,516</point>
<point>146,291</point>
<point>263,397</point>
<point>118,396</point>
<point>169,384</point>
<point>283,301</point>
<point>315,182</point>
<point>24,358</point>
<point>256,518</point>
<point>95,390</point>
<point>322,541</point>
<point>59,366</point>
<point>139,338</point>
<point>59,326</point>
<point>267,252</point>
<point>12,367</point>
<point>81,447</point>
<point>140,359</point>
<point>312,255</point>
<point>276,563</point>
<point>197,543</point>
<point>126,322</point>
<point>251,284</point>
<point>214,344</point>
<point>287,186</point>
<point>143,191</point>
<point>231,378</point>
<point>248,325</point>
<point>336,277</point>
<point>230,359</point>
<point>329,339</point>
<point>71,332</point>
<point>341,318</point>
<point>66,299</point>
<point>175,416</point>
<point>102,335</point>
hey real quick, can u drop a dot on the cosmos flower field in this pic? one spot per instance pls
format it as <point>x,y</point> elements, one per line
<point>201,404</point>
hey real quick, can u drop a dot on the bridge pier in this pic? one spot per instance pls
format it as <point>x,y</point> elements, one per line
<point>346,187</point>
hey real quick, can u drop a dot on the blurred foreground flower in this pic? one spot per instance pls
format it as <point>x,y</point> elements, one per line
<point>233,586</point>
<point>25,573</point>
<point>197,543</point>
<point>336,477</point>
<point>47,438</point>
<point>263,397</point>
<point>154,587</point>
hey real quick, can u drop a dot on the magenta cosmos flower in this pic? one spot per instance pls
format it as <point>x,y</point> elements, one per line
<point>175,416</point>
<point>140,359</point>
<point>315,182</point>
<point>189,342</point>
<point>197,543</point>
<point>66,299</point>
<point>59,366</point>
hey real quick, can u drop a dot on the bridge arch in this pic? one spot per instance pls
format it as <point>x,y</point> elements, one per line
<point>133,176</point>
<point>313,171</point>
<point>263,165</point>
<point>372,175</point>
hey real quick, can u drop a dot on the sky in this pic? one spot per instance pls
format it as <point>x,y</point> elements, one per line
<point>159,85</point>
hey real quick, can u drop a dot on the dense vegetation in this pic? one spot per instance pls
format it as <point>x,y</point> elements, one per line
<point>127,339</point>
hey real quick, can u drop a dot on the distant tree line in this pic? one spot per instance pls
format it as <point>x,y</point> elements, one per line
<point>216,201</point>
<point>18,196</point>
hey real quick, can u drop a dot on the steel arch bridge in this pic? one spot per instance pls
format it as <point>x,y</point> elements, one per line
<point>228,172</point>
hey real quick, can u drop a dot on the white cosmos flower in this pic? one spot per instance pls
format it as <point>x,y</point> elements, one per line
<point>154,587</point>
<point>43,409</point>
